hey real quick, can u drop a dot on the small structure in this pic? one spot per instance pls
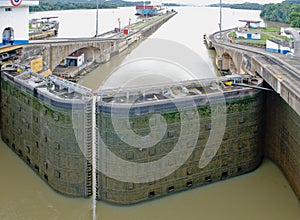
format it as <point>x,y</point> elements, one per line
<point>36,23</point>
<point>247,35</point>
<point>245,32</point>
<point>251,23</point>
<point>277,47</point>
<point>75,59</point>
<point>13,26</point>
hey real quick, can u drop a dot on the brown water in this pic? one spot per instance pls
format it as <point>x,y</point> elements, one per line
<point>262,194</point>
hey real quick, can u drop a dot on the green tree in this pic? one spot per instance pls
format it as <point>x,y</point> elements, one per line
<point>276,12</point>
<point>294,16</point>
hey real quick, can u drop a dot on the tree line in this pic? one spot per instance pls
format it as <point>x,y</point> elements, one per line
<point>50,5</point>
<point>286,12</point>
<point>246,5</point>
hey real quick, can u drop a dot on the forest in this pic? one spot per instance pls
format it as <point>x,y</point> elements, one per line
<point>286,12</point>
<point>49,5</point>
<point>246,5</point>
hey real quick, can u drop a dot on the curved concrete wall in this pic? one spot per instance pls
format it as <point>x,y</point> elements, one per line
<point>42,131</point>
<point>241,149</point>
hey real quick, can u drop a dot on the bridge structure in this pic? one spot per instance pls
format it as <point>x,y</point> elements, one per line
<point>279,71</point>
<point>281,107</point>
<point>54,52</point>
<point>97,49</point>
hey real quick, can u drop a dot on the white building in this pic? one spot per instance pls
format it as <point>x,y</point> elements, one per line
<point>277,47</point>
<point>75,59</point>
<point>248,35</point>
<point>14,19</point>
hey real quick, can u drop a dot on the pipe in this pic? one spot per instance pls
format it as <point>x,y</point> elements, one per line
<point>254,87</point>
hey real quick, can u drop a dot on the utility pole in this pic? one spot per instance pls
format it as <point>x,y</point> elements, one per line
<point>97,18</point>
<point>129,24</point>
<point>220,24</point>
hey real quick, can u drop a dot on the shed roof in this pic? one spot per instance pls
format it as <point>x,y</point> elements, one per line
<point>249,21</point>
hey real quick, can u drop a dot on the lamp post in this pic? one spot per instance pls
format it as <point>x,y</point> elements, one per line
<point>129,24</point>
<point>97,18</point>
<point>119,20</point>
<point>220,24</point>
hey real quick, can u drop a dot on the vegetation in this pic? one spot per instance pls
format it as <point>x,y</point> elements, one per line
<point>286,12</point>
<point>49,5</point>
<point>294,16</point>
<point>246,5</point>
<point>293,1</point>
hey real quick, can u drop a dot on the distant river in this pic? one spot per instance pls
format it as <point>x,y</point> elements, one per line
<point>263,194</point>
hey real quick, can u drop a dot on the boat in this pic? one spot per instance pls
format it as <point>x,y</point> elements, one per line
<point>149,10</point>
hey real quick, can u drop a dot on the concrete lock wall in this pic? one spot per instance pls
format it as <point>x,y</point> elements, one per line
<point>42,131</point>
<point>281,112</point>
<point>282,138</point>
<point>43,135</point>
<point>241,149</point>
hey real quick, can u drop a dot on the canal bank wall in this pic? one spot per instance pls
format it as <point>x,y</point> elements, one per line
<point>282,138</point>
<point>282,114</point>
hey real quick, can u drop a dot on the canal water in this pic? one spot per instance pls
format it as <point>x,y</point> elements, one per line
<point>262,194</point>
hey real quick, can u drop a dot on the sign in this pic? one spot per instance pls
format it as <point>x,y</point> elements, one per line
<point>36,65</point>
<point>16,2</point>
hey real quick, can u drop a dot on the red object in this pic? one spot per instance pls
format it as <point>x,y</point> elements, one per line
<point>15,2</point>
<point>76,54</point>
<point>144,6</point>
<point>126,31</point>
<point>251,21</point>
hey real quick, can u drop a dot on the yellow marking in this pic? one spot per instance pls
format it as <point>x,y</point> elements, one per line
<point>46,73</point>
<point>7,49</point>
<point>36,65</point>
<point>228,83</point>
<point>278,76</point>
